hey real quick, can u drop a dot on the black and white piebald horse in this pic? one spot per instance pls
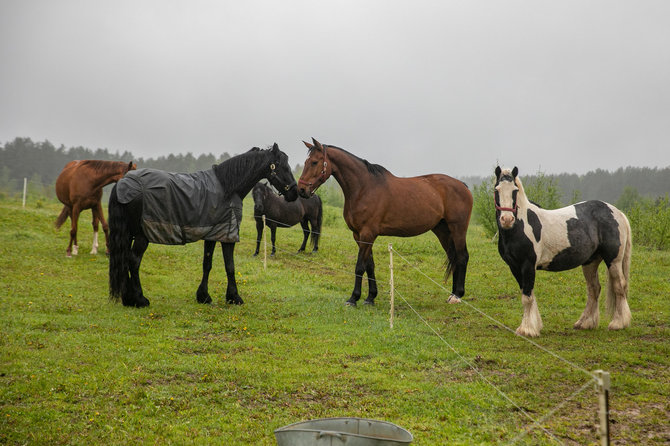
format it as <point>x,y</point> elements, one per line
<point>583,234</point>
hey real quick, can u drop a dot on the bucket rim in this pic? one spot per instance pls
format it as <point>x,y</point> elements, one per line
<point>291,427</point>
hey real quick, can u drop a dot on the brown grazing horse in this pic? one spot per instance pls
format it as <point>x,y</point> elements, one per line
<point>376,202</point>
<point>79,187</point>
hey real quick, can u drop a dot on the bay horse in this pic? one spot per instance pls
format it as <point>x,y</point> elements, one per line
<point>79,187</point>
<point>280,213</point>
<point>376,202</point>
<point>583,234</point>
<point>170,208</point>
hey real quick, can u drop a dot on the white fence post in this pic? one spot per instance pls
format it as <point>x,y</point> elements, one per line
<point>603,388</point>
<point>392,287</point>
<point>25,188</point>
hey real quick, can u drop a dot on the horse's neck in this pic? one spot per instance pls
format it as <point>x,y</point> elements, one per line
<point>242,181</point>
<point>349,172</point>
<point>111,176</point>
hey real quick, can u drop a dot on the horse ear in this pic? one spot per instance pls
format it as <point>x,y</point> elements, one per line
<point>275,148</point>
<point>308,145</point>
<point>498,172</point>
<point>515,172</point>
<point>317,144</point>
<point>131,166</point>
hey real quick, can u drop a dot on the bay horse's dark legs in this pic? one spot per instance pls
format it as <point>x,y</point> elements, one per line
<point>134,295</point>
<point>305,233</point>
<point>372,281</point>
<point>259,230</point>
<point>452,239</point>
<point>362,267</point>
<point>202,295</point>
<point>232,297</point>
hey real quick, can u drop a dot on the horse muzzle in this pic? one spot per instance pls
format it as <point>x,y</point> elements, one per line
<point>291,194</point>
<point>506,221</point>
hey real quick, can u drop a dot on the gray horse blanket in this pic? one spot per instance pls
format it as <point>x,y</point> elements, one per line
<point>179,208</point>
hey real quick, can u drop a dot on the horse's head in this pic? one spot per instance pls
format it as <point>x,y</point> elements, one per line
<point>280,175</point>
<point>506,191</point>
<point>316,170</point>
<point>259,193</point>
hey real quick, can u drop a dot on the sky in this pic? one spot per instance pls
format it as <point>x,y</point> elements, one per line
<point>418,86</point>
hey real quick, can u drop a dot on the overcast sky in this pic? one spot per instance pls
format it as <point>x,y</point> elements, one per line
<point>417,86</point>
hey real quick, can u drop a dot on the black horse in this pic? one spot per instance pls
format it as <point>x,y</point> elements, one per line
<point>160,207</point>
<point>279,213</point>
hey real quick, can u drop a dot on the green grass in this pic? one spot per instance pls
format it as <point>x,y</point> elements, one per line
<point>76,368</point>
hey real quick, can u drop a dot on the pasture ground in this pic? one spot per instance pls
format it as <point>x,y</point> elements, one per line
<point>76,368</point>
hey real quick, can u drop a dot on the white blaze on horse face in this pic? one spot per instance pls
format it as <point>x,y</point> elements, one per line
<point>506,191</point>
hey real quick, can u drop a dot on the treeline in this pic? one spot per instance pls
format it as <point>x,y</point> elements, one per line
<point>599,184</point>
<point>42,162</point>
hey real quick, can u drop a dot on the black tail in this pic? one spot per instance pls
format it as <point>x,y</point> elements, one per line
<point>119,248</point>
<point>451,257</point>
<point>316,231</point>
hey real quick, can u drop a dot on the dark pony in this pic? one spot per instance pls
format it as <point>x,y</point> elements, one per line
<point>583,234</point>
<point>378,203</point>
<point>280,213</point>
<point>79,187</point>
<point>160,207</point>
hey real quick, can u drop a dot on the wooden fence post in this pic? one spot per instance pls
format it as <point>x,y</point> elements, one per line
<point>392,311</point>
<point>603,388</point>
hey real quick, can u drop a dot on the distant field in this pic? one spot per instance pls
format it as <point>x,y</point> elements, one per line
<point>76,368</point>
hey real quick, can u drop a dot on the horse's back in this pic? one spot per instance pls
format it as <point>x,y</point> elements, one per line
<point>577,234</point>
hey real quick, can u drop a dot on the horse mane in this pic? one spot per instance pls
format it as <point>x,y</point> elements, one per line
<point>374,169</point>
<point>240,169</point>
<point>100,166</point>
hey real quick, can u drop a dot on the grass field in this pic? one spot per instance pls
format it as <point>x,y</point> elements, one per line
<point>76,368</point>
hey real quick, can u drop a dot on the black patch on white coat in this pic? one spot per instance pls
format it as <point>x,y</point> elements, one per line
<point>517,250</point>
<point>535,224</point>
<point>593,233</point>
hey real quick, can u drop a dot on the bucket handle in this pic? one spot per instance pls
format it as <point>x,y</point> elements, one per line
<point>337,435</point>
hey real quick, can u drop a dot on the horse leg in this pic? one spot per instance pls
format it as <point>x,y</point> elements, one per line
<point>372,282</point>
<point>364,250</point>
<point>202,295</point>
<point>315,233</point>
<point>531,324</point>
<point>232,297</point>
<point>617,301</point>
<point>273,237</point>
<point>105,227</point>
<point>259,231</point>
<point>73,248</point>
<point>95,211</point>
<point>591,316</point>
<point>136,296</point>
<point>452,239</point>
<point>305,234</point>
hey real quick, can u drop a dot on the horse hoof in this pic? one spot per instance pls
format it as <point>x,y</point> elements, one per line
<point>204,300</point>
<point>369,302</point>
<point>454,299</point>
<point>255,254</point>
<point>142,302</point>
<point>235,301</point>
<point>350,303</point>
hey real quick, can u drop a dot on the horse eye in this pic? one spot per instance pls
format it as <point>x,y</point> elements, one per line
<point>314,163</point>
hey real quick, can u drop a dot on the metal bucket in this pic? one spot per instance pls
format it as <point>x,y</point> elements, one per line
<point>341,432</point>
